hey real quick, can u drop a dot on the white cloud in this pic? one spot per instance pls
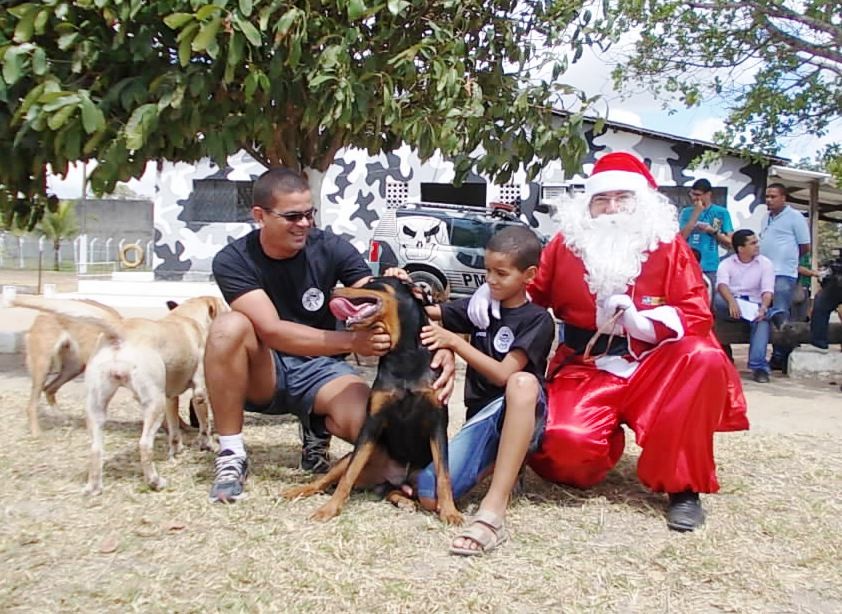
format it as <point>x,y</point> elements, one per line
<point>703,129</point>
<point>625,116</point>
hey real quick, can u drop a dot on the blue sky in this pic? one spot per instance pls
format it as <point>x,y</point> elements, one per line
<point>593,75</point>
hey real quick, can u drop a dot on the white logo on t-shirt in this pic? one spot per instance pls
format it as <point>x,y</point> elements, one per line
<point>503,339</point>
<point>313,299</point>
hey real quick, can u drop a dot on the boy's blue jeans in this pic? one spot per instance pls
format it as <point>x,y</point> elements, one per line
<point>472,452</point>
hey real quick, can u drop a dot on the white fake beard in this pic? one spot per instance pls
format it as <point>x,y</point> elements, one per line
<point>613,247</point>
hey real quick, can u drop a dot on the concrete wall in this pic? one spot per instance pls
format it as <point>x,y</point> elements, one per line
<point>354,193</point>
<point>104,218</point>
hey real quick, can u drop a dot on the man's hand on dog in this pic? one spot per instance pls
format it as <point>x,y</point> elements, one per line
<point>371,342</point>
<point>396,271</point>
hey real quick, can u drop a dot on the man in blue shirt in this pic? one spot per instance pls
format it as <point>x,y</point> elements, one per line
<point>705,227</point>
<point>784,239</point>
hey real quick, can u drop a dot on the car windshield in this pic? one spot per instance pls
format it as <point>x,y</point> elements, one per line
<point>470,233</point>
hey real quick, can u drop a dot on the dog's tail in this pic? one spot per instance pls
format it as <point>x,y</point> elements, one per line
<point>84,311</point>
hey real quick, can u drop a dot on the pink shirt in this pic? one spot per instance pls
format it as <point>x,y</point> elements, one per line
<point>747,279</point>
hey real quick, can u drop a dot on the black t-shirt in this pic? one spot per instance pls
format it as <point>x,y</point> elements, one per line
<point>300,286</point>
<point>529,328</point>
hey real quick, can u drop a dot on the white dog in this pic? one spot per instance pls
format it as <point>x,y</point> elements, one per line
<point>156,359</point>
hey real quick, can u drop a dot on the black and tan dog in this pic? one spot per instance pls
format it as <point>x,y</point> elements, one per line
<point>404,415</point>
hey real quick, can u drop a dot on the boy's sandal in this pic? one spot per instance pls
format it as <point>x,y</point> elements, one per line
<point>486,530</point>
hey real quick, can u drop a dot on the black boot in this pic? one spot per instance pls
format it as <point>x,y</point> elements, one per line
<point>685,511</point>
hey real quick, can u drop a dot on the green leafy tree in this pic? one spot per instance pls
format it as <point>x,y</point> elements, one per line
<point>127,81</point>
<point>58,226</point>
<point>776,64</point>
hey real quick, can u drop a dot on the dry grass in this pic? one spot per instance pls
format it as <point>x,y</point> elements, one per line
<point>772,543</point>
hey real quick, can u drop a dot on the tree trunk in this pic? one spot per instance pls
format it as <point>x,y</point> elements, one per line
<point>56,248</point>
<point>315,178</point>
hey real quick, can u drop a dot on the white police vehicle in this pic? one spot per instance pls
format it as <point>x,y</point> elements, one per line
<point>440,245</point>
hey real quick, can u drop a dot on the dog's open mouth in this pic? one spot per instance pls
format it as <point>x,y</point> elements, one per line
<point>354,310</point>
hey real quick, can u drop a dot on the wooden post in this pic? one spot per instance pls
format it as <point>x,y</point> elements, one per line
<point>814,234</point>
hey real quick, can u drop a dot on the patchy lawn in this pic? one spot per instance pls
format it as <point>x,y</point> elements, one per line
<point>773,540</point>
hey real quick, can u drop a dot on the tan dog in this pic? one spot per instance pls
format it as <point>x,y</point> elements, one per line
<point>57,351</point>
<point>156,359</point>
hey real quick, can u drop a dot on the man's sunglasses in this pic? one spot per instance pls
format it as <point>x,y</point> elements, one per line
<point>293,217</point>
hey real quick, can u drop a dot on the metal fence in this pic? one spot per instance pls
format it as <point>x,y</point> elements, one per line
<point>84,254</point>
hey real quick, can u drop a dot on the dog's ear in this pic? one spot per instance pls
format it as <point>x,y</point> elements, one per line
<point>171,305</point>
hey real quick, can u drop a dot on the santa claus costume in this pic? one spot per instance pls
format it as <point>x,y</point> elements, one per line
<point>664,376</point>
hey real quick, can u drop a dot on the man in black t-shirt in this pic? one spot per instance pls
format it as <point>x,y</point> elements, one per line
<point>278,350</point>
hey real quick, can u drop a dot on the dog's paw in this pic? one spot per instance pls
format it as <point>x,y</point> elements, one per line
<point>325,513</point>
<point>299,491</point>
<point>205,443</point>
<point>453,517</point>
<point>399,499</point>
<point>92,490</point>
<point>158,483</point>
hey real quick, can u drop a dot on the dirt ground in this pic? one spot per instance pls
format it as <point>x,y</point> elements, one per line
<point>771,543</point>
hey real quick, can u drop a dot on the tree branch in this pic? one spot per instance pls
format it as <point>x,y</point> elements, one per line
<point>773,10</point>
<point>799,44</point>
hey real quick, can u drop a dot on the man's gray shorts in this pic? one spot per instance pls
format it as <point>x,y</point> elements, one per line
<point>297,381</point>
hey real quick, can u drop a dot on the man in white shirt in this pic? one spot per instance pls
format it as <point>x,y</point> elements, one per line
<point>745,282</point>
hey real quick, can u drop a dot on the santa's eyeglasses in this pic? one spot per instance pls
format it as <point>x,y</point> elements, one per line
<point>620,200</point>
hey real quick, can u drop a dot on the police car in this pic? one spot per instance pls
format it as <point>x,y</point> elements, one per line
<point>440,245</point>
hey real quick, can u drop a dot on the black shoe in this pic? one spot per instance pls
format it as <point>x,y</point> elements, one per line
<point>760,376</point>
<point>685,511</point>
<point>776,364</point>
<point>315,446</point>
<point>230,473</point>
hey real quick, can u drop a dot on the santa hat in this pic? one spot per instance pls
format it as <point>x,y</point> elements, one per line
<point>619,171</point>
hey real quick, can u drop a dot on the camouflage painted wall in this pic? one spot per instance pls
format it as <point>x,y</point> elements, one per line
<point>355,186</point>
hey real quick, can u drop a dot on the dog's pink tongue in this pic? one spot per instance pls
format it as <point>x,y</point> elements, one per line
<point>342,308</point>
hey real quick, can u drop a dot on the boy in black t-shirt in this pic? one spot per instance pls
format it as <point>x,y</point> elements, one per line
<point>504,383</point>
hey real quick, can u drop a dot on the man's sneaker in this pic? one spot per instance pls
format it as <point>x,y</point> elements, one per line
<point>685,511</point>
<point>315,446</point>
<point>760,376</point>
<point>230,473</point>
<point>776,363</point>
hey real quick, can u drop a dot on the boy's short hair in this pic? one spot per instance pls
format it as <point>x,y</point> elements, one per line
<point>278,180</point>
<point>518,242</point>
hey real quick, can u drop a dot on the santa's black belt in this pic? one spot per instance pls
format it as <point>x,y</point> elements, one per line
<point>578,338</point>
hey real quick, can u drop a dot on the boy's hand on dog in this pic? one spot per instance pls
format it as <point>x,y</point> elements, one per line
<point>438,338</point>
<point>442,341</point>
<point>444,360</point>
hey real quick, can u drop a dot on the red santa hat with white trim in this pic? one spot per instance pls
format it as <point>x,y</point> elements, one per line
<point>619,171</point>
